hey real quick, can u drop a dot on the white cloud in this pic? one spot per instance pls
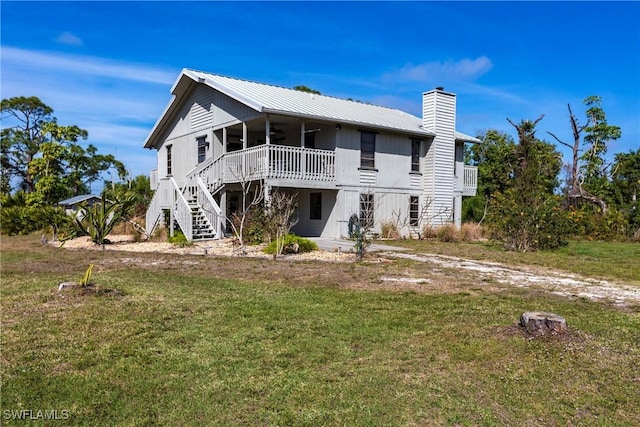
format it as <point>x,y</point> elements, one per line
<point>439,71</point>
<point>86,65</point>
<point>117,102</point>
<point>69,39</point>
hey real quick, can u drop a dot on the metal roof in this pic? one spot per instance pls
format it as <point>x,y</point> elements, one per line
<point>271,99</point>
<point>279,100</point>
<point>78,199</point>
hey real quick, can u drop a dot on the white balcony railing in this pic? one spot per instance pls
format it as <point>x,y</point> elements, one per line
<point>279,162</point>
<point>470,180</point>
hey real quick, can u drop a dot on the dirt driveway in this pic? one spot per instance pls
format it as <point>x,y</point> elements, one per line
<point>556,282</point>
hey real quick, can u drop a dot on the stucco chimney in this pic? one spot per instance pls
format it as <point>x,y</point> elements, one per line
<point>439,116</point>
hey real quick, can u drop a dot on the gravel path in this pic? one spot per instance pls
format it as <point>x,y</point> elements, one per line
<point>555,282</point>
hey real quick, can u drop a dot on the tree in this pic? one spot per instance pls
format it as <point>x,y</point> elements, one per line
<point>626,182</point>
<point>588,179</point>
<point>528,216</point>
<point>598,134</point>
<point>495,159</point>
<point>21,143</point>
<point>252,197</point>
<point>303,88</point>
<point>45,159</point>
<point>138,187</point>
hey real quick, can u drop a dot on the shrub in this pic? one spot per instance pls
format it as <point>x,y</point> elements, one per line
<point>179,239</point>
<point>98,220</point>
<point>529,227</point>
<point>448,233</point>
<point>27,219</point>
<point>253,231</point>
<point>471,231</point>
<point>389,230</point>
<point>305,245</point>
<point>428,231</point>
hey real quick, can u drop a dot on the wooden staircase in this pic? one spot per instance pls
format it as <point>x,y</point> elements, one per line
<point>201,227</point>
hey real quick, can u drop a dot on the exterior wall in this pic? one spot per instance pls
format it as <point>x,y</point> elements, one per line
<point>392,183</point>
<point>323,227</point>
<point>227,111</point>
<point>392,161</point>
<point>439,115</point>
<point>203,111</point>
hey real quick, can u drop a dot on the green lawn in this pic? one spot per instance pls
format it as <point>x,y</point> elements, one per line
<point>187,344</point>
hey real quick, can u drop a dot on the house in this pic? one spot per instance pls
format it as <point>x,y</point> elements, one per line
<point>72,204</point>
<point>344,159</point>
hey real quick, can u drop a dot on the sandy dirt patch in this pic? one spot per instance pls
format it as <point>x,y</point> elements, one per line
<point>481,273</point>
<point>222,247</point>
<point>556,282</point>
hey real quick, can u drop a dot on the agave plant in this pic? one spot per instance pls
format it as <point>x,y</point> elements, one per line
<point>98,220</point>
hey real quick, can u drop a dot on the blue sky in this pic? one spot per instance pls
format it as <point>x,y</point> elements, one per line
<point>108,67</point>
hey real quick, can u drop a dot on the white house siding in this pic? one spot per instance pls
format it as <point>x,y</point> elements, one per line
<point>326,226</point>
<point>392,160</point>
<point>393,207</point>
<point>439,115</point>
<point>201,106</point>
<point>228,111</point>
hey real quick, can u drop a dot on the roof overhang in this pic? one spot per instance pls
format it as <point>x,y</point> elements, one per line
<point>463,137</point>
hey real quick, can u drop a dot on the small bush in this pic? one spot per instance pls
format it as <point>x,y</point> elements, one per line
<point>428,231</point>
<point>305,245</point>
<point>389,230</point>
<point>448,233</point>
<point>179,239</point>
<point>471,231</point>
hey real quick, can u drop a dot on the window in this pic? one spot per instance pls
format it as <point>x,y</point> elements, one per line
<point>366,211</point>
<point>203,145</point>
<point>414,211</point>
<point>367,150</point>
<point>169,160</point>
<point>315,205</point>
<point>415,155</point>
<point>310,140</point>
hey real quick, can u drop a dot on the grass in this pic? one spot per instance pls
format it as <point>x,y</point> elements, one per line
<point>606,260</point>
<point>194,340</point>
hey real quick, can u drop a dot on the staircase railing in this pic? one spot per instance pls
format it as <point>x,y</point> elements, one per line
<point>209,207</point>
<point>162,199</point>
<point>183,212</point>
<point>210,172</point>
<point>153,214</point>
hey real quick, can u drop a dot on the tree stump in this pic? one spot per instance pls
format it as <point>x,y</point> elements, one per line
<point>541,323</point>
<point>67,285</point>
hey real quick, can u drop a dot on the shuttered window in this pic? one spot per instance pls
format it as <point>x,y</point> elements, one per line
<point>414,211</point>
<point>202,148</point>
<point>367,150</point>
<point>415,155</point>
<point>366,211</point>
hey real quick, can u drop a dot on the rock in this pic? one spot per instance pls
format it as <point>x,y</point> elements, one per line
<point>293,248</point>
<point>541,323</point>
<point>67,285</point>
